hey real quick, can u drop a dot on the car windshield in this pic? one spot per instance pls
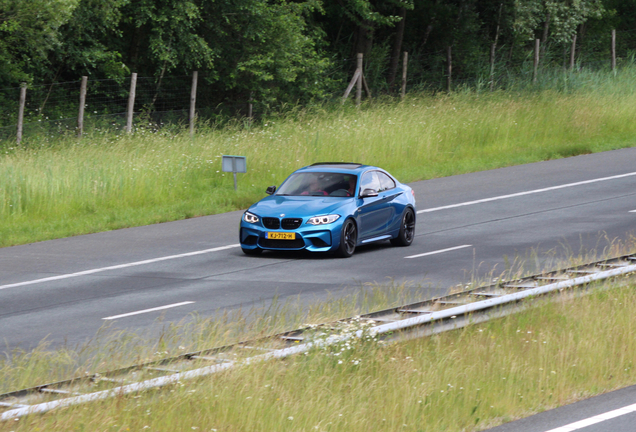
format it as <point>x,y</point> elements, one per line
<point>319,184</point>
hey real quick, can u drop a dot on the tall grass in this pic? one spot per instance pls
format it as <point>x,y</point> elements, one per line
<point>111,350</point>
<point>465,380</point>
<point>51,189</point>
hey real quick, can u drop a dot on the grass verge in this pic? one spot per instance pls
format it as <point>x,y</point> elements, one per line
<point>52,188</point>
<point>464,380</point>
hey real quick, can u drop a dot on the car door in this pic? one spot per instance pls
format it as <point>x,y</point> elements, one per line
<point>373,212</point>
<point>389,192</point>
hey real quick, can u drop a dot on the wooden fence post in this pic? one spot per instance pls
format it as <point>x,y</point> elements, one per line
<point>193,101</point>
<point>537,47</point>
<point>21,111</point>
<point>82,103</point>
<point>131,102</point>
<point>359,83</point>
<point>250,108</point>
<point>405,63</point>
<point>366,86</point>
<point>449,68</point>
<point>573,52</point>
<point>493,51</point>
<point>354,80</point>
<point>613,50</point>
<point>357,79</point>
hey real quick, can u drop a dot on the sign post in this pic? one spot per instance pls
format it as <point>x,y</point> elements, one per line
<point>234,164</point>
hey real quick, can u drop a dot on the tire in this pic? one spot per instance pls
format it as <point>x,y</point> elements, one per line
<point>407,229</point>
<point>252,252</point>
<point>348,239</point>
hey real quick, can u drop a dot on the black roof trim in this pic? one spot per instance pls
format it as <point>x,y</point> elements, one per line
<point>336,163</point>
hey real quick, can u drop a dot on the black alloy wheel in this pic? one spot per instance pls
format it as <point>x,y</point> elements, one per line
<point>407,229</point>
<point>348,239</point>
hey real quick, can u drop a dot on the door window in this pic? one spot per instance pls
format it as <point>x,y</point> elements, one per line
<point>370,181</point>
<point>386,182</point>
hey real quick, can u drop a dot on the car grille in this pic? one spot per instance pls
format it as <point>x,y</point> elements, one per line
<point>290,224</point>
<point>271,223</point>
<point>282,244</point>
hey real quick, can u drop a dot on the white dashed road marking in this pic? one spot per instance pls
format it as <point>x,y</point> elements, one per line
<point>596,419</point>
<point>148,310</point>
<point>525,193</point>
<point>439,251</point>
<point>116,267</point>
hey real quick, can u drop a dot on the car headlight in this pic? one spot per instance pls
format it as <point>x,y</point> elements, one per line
<point>250,218</point>
<point>323,220</point>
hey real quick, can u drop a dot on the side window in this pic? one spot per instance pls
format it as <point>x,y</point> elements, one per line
<point>386,182</point>
<point>370,181</point>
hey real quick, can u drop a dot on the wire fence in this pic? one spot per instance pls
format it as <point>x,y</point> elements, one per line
<point>51,110</point>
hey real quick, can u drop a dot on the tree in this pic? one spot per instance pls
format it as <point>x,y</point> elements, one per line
<point>561,16</point>
<point>265,49</point>
<point>161,35</point>
<point>88,42</point>
<point>28,31</point>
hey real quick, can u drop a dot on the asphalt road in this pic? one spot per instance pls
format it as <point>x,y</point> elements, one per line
<point>611,412</point>
<point>468,225</point>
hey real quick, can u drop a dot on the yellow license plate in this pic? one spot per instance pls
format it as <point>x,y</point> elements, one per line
<point>281,236</point>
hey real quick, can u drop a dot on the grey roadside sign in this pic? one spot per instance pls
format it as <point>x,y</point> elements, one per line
<point>234,164</point>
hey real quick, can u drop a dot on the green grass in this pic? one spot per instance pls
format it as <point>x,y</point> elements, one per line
<point>57,187</point>
<point>112,350</point>
<point>464,380</point>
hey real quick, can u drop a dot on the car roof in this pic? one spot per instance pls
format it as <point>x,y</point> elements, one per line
<point>341,167</point>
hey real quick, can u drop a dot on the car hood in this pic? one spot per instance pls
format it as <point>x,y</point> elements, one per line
<point>295,206</point>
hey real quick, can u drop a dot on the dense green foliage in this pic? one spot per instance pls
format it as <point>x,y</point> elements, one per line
<point>281,51</point>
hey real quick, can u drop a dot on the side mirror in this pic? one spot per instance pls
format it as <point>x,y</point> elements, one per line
<point>368,193</point>
<point>270,190</point>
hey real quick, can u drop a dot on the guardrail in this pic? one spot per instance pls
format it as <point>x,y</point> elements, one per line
<point>409,321</point>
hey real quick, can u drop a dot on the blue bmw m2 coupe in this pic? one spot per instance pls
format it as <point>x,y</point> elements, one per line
<point>330,207</point>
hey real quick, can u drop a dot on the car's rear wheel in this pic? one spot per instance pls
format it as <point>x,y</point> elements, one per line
<point>407,229</point>
<point>256,251</point>
<point>348,239</point>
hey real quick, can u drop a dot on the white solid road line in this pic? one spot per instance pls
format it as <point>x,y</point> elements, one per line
<point>525,193</point>
<point>632,211</point>
<point>439,251</point>
<point>596,419</point>
<point>148,310</point>
<point>116,267</point>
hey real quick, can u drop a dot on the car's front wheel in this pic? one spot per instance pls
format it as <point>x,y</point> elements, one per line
<point>256,251</point>
<point>348,239</point>
<point>407,229</point>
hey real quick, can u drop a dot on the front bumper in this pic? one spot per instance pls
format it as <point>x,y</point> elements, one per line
<point>309,237</point>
